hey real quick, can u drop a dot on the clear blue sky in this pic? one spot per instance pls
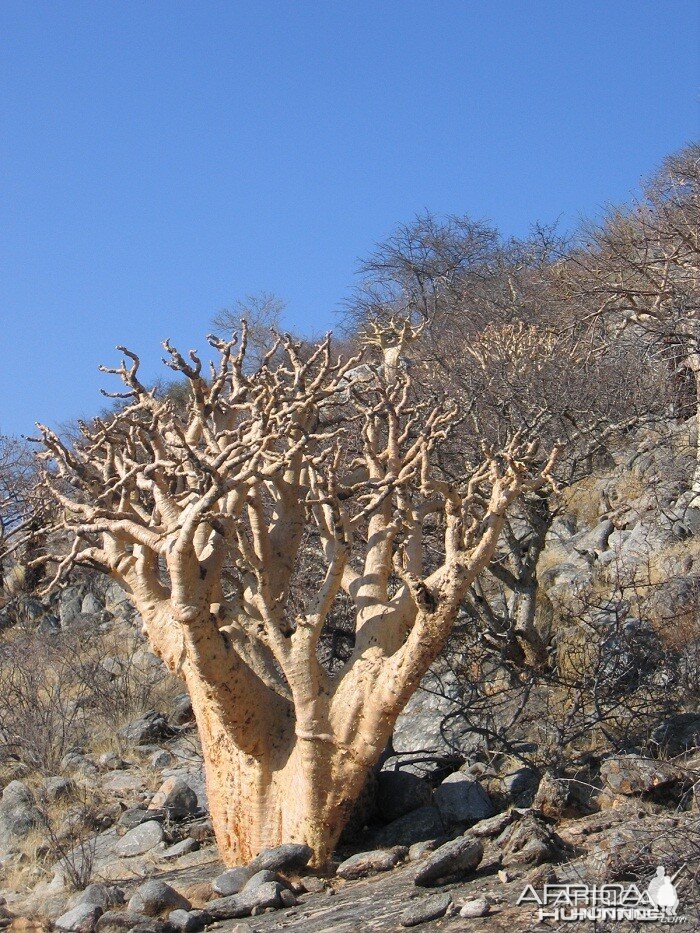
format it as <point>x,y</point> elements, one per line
<point>160,159</point>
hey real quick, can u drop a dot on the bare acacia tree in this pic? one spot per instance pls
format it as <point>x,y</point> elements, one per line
<point>640,272</point>
<point>297,454</point>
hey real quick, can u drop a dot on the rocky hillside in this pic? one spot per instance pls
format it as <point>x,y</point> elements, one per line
<point>495,778</point>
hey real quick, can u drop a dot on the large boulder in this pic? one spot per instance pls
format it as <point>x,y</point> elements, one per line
<point>399,793</point>
<point>460,799</point>
<point>155,897</point>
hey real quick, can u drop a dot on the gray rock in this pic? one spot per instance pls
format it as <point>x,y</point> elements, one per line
<point>189,921</point>
<point>423,823</point>
<point>140,840</point>
<point>134,817</point>
<point>101,894</point>
<point>420,725</point>
<point>18,814</point>
<point>69,611</point>
<point>58,788</point>
<point>420,849</point>
<point>521,786</point>
<point>161,759</point>
<point>260,877</point>
<point>287,856</point>
<point>232,881</point>
<point>151,727</point>
<point>115,597</point>
<point>452,861</point>
<point>399,793</point>
<point>476,907</point>
<point>183,847</point>
<point>370,863</point>
<point>176,797</point>
<point>460,799</point>
<point>91,605</point>
<point>81,919</point>
<point>243,904</point>
<point>426,909</point>
<point>632,774</point>
<point>155,897</point>
<point>111,762</point>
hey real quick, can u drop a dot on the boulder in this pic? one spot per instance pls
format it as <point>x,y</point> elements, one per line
<point>189,921</point>
<point>151,727</point>
<point>232,881</point>
<point>399,793</point>
<point>183,847</point>
<point>58,788</point>
<point>428,908</point>
<point>290,855</point>
<point>261,877</point>
<point>452,861</point>
<point>633,774</point>
<point>140,840</point>
<point>243,904</point>
<point>370,863</point>
<point>460,799</point>
<point>176,798</point>
<point>521,786</point>
<point>423,823</point>
<point>101,894</point>
<point>80,919</point>
<point>156,897</point>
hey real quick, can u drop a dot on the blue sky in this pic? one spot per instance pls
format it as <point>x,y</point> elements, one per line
<point>160,159</point>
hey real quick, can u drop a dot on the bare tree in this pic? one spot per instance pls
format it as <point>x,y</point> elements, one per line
<point>640,272</point>
<point>297,454</point>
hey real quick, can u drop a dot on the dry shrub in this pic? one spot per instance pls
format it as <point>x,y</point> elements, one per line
<point>57,694</point>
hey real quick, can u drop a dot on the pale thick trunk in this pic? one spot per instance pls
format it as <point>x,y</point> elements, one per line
<point>296,790</point>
